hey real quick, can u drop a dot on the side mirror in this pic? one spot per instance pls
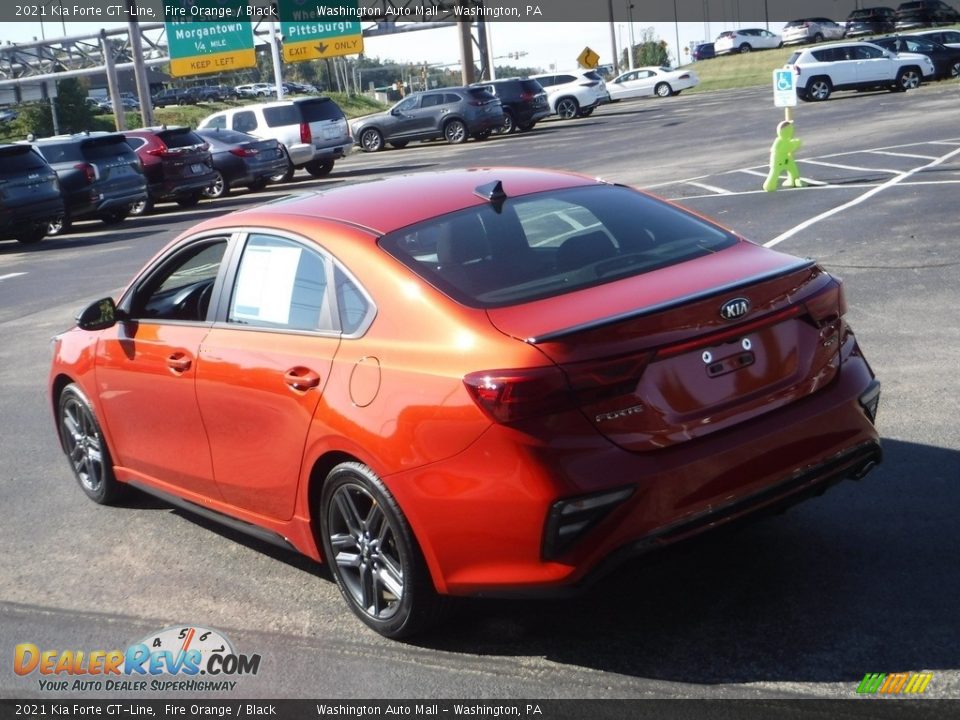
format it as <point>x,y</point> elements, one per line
<point>395,112</point>
<point>98,315</point>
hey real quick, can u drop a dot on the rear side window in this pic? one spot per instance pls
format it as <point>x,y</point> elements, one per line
<point>319,110</point>
<point>281,116</point>
<point>550,244</point>
<point>19,158</point>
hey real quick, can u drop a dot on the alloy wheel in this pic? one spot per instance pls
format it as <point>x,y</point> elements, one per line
<point>83,445</point>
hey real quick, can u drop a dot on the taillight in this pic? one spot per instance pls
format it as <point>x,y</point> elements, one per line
<point>685,76</point>
<point>828,305</point>
<point>88,170</point>
<point>511,395</point>
<point>305,136</point>
<point>160,151</point>
<point>244,152</point>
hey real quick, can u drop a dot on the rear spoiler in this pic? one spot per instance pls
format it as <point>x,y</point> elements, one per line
<point>669,305</point>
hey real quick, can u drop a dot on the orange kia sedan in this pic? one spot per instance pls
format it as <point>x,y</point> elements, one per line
<point>479,382</point>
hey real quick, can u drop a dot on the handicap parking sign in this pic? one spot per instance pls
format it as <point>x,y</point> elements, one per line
<point>784,88</point>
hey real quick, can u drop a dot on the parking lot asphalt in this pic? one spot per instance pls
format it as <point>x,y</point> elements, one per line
<point>860,580</point>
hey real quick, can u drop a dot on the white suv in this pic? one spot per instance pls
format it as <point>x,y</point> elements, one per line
<point>573,94</point>
<point>313,130</point>
<point>855,66</point>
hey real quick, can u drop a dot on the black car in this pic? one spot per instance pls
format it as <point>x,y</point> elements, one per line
<point>204,93</point>
<point>924,13</point>
<point>172,96</point>
<point>524,102</point>
<point>29,194</point>
<point>946,60</point>
<point>100,176</point>
<point>704,51</point>
<point>176,162</point>
<point>455,114</point>
<point>870,21</point>
<point>242,160</point>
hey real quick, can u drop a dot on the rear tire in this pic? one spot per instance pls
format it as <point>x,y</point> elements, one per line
<point>455,132</point>
<point>188,201</point>
<point>509,124</point>
<point>371,140</point>
<point>663,90</point>
<point>113,217</point>
<point>373,554</point>
<point>398,144</point>
<point>258,185</point>
<point>818,89</point>
<point>745,48</point>
<point>319,168</point>
<point>58,226</point>
<point>286,175</point>
<point>218,188</point>
<point>31,234</point>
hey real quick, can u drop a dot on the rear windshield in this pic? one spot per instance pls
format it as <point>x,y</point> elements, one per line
<point>180,138</point>
<point>17,158</point>
<point>227,137</point>
<point>481,94</point>
<point>92,149</point>
<point>531,86</point>
<point>317,110</point>
<point>550,244</point>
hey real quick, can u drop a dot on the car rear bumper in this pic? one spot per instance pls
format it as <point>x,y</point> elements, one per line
<point>484,522</point>
<point>31,213</point>
<point>301,154</point>
<point>169,189</point>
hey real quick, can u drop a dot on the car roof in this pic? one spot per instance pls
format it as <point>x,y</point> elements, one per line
<point>382,206</point>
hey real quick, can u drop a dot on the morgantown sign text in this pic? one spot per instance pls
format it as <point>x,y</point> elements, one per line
<point>209,36</point>
<point>319,29</point>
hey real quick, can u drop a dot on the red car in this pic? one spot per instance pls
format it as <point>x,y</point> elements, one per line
<point>488,381</point>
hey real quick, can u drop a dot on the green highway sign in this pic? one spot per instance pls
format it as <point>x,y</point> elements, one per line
<point>315,29</point>
<point>207,36</point>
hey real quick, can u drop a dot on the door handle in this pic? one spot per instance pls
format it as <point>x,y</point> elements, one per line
<point>179,362</point>
<point>301,378</point>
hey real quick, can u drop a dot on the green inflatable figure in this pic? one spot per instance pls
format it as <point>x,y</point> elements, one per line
<point>781,158</point>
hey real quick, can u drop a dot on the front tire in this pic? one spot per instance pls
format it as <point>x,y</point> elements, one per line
<point>663,90</point>
<point>455,132</point>
<point>83,443</point>
<point>31,234</point>
<point>568,108</point>
<point>113,217</point>
<point>908,79</point>
<point>509,124</point>
<point>373,554</point>
<point>371,140</point>
<point>58,226</point>
<point>141,207</point>
<point>191,200</point>
<point>745,48</point>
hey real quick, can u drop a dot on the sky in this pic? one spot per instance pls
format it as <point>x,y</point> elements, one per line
<point>549,46</point>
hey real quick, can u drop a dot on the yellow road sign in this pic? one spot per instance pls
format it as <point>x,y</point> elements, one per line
<point>214,62</point>
<point>588,58</point>
<point>330,47</point>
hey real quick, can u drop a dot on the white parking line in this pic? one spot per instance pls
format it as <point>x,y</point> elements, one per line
<point>11,275</point>
<point>857,200</point>
<point>900,154</point>
<point>711,188</point>
<point>850,167</point>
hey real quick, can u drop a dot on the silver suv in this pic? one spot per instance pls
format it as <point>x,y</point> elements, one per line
<point>855,66</point>
<point>574,94</point>
<point>313,131</point>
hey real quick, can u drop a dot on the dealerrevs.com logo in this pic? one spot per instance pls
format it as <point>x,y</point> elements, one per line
<point>181,658</point>
<point>904,683</point>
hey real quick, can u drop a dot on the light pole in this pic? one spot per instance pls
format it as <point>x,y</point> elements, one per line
<point>676,27</point>
<point>632,42</point>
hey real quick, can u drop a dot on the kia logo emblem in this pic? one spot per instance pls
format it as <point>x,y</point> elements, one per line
<point>736,308</point>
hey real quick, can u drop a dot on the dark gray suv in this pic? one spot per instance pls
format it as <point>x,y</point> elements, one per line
<point>100,176</point>
<point>455,114</point>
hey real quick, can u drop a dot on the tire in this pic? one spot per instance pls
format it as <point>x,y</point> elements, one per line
<point>482,135</point>
<point>371,140</point>
<point>568,108</point>
<point>526,128</point>
<point>58,226</point>
<point>455,132</point>
<point>319,168</point>
<point>663,90</point>
<point>954,71</point>
<point>83,443</point>
<point>818,89</point>
<point>586,113</point>
<point>818,38</point>
<point>909,78</point>
<point>398,144</point>
<point>143,207</point>
<point>287,174</point>
<point>373,555</point>
<point>677,92</point>
<point>188,201</point>
<point>258,185</point>
<point>745,48</point>
<point>31,234</point>
<point>509,123</point>
<point>218,188</point>
<point>113,217</point>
